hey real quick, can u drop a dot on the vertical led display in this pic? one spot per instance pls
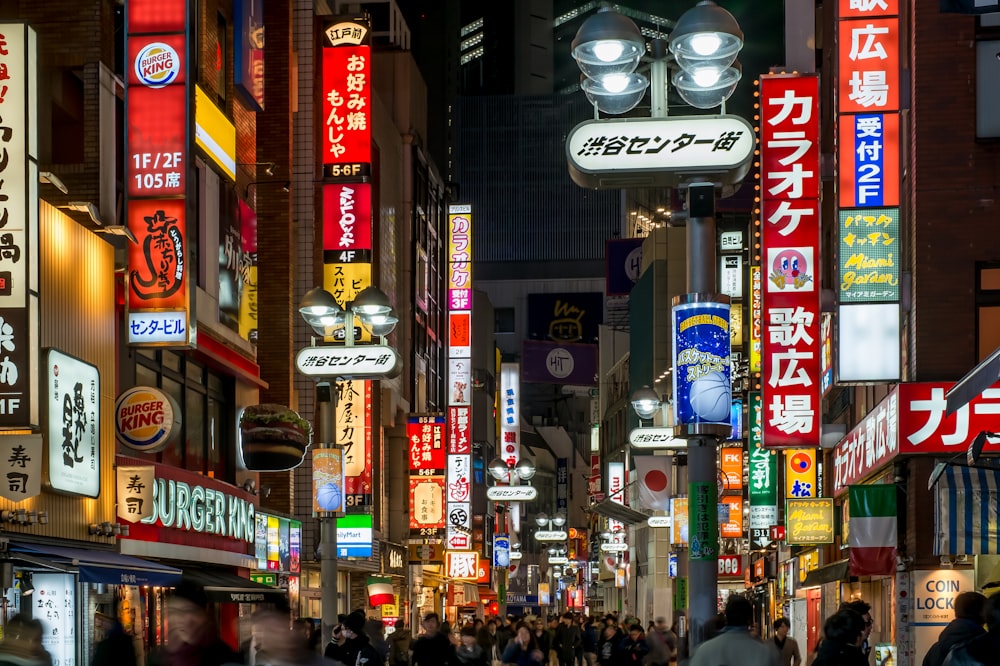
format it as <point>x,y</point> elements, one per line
<point>868,178</point>
<point>703,390</point>
<point>458,535</point>
<point>157,94</point>
<point>790,187</point>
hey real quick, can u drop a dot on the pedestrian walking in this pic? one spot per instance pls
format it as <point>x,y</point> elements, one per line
<point>734,644</point>
<point>968,624</point>
<point>433,648</point>
<point>662,643</point>
<point>788,647</point>
<point>842,639</point>
<point>567,640</point>
<point>192,637</point>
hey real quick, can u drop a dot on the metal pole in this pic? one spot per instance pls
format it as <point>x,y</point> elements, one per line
<point>326,398</point>
<point>658,79</point>
<point>703,575</point>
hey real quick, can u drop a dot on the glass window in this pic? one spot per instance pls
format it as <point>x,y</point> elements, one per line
<point>214,443</point>
<point>172,361</point>
<point>174,453</point>
<point>194,430</point>
<point>503,320</point>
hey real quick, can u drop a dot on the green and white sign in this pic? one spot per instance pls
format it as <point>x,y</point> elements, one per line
<point>763,484</point>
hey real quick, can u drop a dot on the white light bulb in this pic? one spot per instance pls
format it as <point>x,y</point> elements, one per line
<point>705,43</point>
<point>615,83</point>
<point>608,50</point>
<point>706,77</point>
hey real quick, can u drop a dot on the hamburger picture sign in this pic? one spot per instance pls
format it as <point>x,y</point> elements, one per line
<point>273,438</point>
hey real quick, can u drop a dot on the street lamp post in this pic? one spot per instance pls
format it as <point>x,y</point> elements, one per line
<point>703,45</point>
<point>325,316</point>
<point>506,472</point>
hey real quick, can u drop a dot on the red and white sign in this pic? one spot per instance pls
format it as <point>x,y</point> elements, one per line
<point>460,334</point>
<point>616,491</point>
<point>346,106</point>
<point>777,532</point>
<point>426,436</point>
<point>459,478</point>
<point>347,217</point>
<point>911,419</point>
<point>459,434</point>
<point>790,256</point>
<point>427,505</point>
<point>594,482</point>
<point>869,65</point>
<point>731,566</point>
<point>462,565</point>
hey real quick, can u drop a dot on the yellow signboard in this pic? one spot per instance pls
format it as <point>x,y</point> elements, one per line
<point>345,282</point>
<point>800,473</point>
<point>809,521</point>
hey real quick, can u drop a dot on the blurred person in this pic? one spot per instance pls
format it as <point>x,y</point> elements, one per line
<point>504,635</point>
<point>788,647</point>
<point>376,635</point>
<point>116,648</point>
<point>434,647</point>
<point>982,650</point>
<point>608,651</point>
<point>399,645</point>
<point>307,628</point>
<point>192,638</point>
<point>523,649</point>
<point>842,638</point>
<point>968,624</point>
<point>486,637</point>
<point>662,643</point>
<point>469,652</point>
<point>734,644</point>
<point>358,649</point>
<point>864,609</point>
<point>634,648</point>
<point>21,644</point>
<point>543,637</point>
<point>566,640</point>
<point>336,648</point>
<point>283,645</point>
<point>590,636</point>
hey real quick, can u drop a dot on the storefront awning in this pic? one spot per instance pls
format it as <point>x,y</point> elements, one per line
<point>831,573</point>
<point>965,509</point>
<point>102,566</point>
<point>225,587</point>
<point>619,512</point>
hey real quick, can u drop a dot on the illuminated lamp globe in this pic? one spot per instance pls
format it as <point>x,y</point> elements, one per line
<point>706,34</point>
<point>615,94</point>
<point>559,519</point>
<point>645,402</point>
<point>524,468</point>
<point>498,469</point>
<point>371,301</point>
<point>542,519</point>
<point>706,88</point>
<point>608,43</point>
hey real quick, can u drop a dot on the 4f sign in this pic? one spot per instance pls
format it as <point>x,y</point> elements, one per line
<point>511,493</point>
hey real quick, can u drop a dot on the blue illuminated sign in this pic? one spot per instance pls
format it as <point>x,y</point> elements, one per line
<point>501,550</point>
<point>869,158</point>
<point>703,390</point>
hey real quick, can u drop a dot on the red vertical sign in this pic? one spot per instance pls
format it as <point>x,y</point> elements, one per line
<point>790,186</point>
<point>347,104</point>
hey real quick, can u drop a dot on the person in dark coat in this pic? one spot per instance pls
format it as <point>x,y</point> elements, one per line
<point>115,649</point>
<point>399,645</point>
<point>634,648</point>
<point>336,649</point>
<point>968,624</point>
<point>986,647</point>
<point>523,649</point>
<point>469,652</point>
<point>358,650</point>
<point>21,643</point>
<point>192,638</point>
<point>842,636</point>
<point>433,648</point>
<point>566,640</point>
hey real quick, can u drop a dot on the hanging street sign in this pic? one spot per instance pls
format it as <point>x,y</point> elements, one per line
<point>614,153</point>
<point>511,493</point>
<point>657,437</point>
<point>550,535</point>
<point>360,362</point>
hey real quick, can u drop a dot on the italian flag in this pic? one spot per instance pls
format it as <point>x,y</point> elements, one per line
<point>379,591</point>
<point>872,530</point>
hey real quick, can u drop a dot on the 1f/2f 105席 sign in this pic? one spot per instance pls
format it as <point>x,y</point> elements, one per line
<point>613,153</point>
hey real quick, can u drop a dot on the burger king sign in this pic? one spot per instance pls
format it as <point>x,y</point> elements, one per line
<point>157,65</point>
<point>146,419</point>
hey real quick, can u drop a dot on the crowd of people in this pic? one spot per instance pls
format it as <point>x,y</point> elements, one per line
<point>971,639</point>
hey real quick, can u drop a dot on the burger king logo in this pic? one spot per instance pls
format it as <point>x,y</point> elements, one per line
<point>157,65</point>
<point>145,419</point>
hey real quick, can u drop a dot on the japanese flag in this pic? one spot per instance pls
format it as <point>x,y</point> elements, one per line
<point>653,477</point>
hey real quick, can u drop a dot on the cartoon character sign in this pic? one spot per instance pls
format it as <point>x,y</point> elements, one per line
<point>791,269</point>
